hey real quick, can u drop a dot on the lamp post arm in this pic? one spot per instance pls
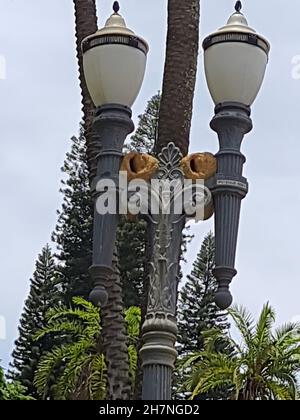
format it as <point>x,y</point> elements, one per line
<point>231,122</point>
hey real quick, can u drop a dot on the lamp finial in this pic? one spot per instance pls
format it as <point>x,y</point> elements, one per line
<point>116,7</point>
<point>238,6</point>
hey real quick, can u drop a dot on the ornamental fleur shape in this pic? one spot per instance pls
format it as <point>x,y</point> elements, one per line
<point>169,162</point>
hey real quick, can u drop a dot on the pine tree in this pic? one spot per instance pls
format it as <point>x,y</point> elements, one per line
<point>73,233</point>
<point>44,294</point>
<point>197,313</point>
<point>197,310</point>
<point>131,243</point>
<point>145,136</point>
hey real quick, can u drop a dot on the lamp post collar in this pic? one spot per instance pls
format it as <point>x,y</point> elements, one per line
<point>237,30</point>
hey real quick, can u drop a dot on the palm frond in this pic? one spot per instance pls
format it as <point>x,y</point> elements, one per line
<point>267,366</point>
<point>133,323</point>
<point>281,392</point>
<point>47,365</point>
<point>263,330</point>
<point>244,322</point>
<point>98,377</point>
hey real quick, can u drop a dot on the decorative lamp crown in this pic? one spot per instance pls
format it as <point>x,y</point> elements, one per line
<point>114,61</point>
<point>235,58</point>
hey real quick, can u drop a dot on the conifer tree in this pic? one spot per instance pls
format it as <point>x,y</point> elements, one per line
<point>73,232</point>
<point>197,311</point>
<point>44,294</point>
<point>145,136</point>
<point>131,244</point>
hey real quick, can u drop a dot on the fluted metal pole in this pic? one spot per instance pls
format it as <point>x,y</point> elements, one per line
<point>112,125</point>
<point>231,122</point>
<point>160,328</point>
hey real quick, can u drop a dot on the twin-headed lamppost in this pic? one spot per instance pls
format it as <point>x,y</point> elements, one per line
<point>114,64</point>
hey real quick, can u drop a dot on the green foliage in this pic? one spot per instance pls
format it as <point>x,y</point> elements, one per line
<point>11,390</point>
<point>264,366</point>
<point>133,324</point>
<point>78,366</point>
<point>73,232</point>
<point>44,293</point>
<point>131,244</point>
<point>80,328</point>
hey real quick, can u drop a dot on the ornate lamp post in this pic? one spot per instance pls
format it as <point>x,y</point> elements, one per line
<point>114,60</point>
<point>114,64</point>
<point>235,62</point>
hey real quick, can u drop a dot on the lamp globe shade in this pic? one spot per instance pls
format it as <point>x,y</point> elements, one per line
<point>114,63</point>
<point>235,59</point>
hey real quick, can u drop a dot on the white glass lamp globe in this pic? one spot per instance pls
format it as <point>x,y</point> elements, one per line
<point>114,63</point>
<point>235,60</point>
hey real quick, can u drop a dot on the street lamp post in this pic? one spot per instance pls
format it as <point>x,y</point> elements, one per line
<point>114,64</point>
<point>114,61</point>
<point>235,62</point>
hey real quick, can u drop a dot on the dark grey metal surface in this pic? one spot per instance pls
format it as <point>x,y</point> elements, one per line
<point>160,329</point>
<point>112,125</point>
<point>246,38</point>
<point>157,382</point>
<point>115,39</point>
<point>231,122</point>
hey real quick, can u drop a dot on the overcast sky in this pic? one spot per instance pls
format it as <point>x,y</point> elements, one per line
<point>40,111</point>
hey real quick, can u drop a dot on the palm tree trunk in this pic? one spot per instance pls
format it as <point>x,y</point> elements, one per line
<point>86,24</point>
<point>179,75</point>
<point>114,340</point>
<point>113,328</point>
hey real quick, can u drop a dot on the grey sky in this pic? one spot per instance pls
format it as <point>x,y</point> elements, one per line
<point>40,111</point>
